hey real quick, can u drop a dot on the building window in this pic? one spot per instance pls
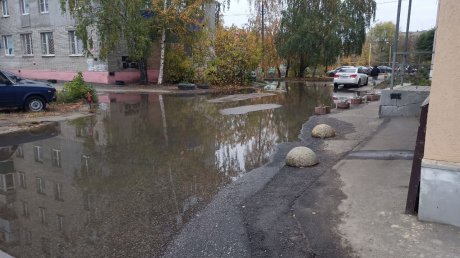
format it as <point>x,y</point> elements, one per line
<point>75,44</point>
<point>24,4</point>
<point>38,154</point>
<point>20,152</point>
<point>60,222</point>
<point>40,185</point>
<point>43,4</point>
<point>8,43</point>
<point>42,215</point>
<point>5,11</point>
<point>27,47</point>
<point>46,247</point>
<point>85,164</point>
<point>47,43</point>
<point>56,157</point>
<point>27,236</point>
<point>88,201</point>
<point>58,192</point>
<point>7,182</point>
<point>22,180</point>
<point>25,209</point>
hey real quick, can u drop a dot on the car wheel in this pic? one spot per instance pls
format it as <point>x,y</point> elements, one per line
<point>359,83</point>
<point>35,104</point>
<point>336,87</point>
<point>367,82</point>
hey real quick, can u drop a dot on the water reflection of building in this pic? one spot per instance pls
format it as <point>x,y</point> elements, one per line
<point>41,205</point>
<point>124,182</point>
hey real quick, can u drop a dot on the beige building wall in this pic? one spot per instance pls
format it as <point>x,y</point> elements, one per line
<point>443,126</point>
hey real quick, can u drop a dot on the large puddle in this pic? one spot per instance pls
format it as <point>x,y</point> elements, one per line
<point>122,183</point>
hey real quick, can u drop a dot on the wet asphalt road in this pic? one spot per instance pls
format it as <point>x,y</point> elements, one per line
<point>275,210</point>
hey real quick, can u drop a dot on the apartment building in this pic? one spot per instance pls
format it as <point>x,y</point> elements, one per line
<point>38,41</point>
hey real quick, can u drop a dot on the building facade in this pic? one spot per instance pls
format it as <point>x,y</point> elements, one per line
<point>38,41</point>
<point>440,175</point>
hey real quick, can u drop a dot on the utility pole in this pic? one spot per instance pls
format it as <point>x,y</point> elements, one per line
<point>370,52</point>
<point>263,37</point>
<point>395,46</point>
<point>389,55</point>
<point>406,42</point>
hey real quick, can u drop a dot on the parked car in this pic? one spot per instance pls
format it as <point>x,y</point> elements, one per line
<point>385,69</point>
<point>350,77</point>
<point>365,69</point>
<point>16,91</point>
<point>331,73</point>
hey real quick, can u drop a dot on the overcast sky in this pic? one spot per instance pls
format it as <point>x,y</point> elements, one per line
<point>423,13</point>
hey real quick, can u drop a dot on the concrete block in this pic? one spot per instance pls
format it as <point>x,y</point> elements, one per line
<point>404,101</point>
<point>439,194</point>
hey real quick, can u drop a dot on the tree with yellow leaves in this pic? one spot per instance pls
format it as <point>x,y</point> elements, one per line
<point>136,24</point>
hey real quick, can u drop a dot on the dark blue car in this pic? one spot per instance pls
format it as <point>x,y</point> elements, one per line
<point>19,92</point>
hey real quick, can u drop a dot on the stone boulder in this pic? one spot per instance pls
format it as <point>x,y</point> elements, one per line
<point>323,131</point>
<point>301,157</point>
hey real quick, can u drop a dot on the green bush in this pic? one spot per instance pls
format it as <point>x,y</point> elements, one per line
<point>211,75</point>
<point>179,66</point>
<point>76,90</point>
<point>422,76</point>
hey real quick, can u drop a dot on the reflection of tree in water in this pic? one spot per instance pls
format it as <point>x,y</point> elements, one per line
<point>248,147</point>
<point>150,177</point>
<point>249,139</point>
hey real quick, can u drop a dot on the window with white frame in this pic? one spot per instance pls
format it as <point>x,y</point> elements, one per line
<point>5,11</point>
<point>8,43</point>
<point>25,209</point>
<point>26,236</point>
<point>43,5</point>
<point>40,185</point>
<point>58,192</point>
<point>56,158</point>
<point>75,44</point>
<point>38,154</point>
<point>7,182</point>
<point>60,222</point>
<point>20,152</point>
<point>24,5</point>
<point>27,47</point>
<point>88,201</point>
<point>47,43</point>
<point>22,180</point>
<point>85,164</point>
<point>42,214</point>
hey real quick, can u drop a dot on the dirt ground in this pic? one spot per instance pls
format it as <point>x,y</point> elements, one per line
<point>12,120</point>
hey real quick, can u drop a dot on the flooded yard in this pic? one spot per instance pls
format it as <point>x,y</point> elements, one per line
<point>123,182</point>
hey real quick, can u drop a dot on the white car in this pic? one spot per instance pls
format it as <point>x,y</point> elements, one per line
<point>350,77</point>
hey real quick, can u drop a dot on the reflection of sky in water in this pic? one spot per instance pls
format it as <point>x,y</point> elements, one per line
<point>236,152</point>
<point>123,182</point>
<point>233,159</point>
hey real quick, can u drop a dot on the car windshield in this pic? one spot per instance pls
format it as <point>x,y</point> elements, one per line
<point>13,77</point>
<point>347,70</point>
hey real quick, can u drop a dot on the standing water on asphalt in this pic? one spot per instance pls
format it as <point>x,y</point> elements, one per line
<point>123,182</point>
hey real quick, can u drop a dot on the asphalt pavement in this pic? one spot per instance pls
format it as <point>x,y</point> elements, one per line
<point>261,214</point>
<point>350,204</point>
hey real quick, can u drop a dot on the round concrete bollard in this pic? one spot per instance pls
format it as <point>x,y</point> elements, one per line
<point>323,131</point>
<point>301,157</point>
